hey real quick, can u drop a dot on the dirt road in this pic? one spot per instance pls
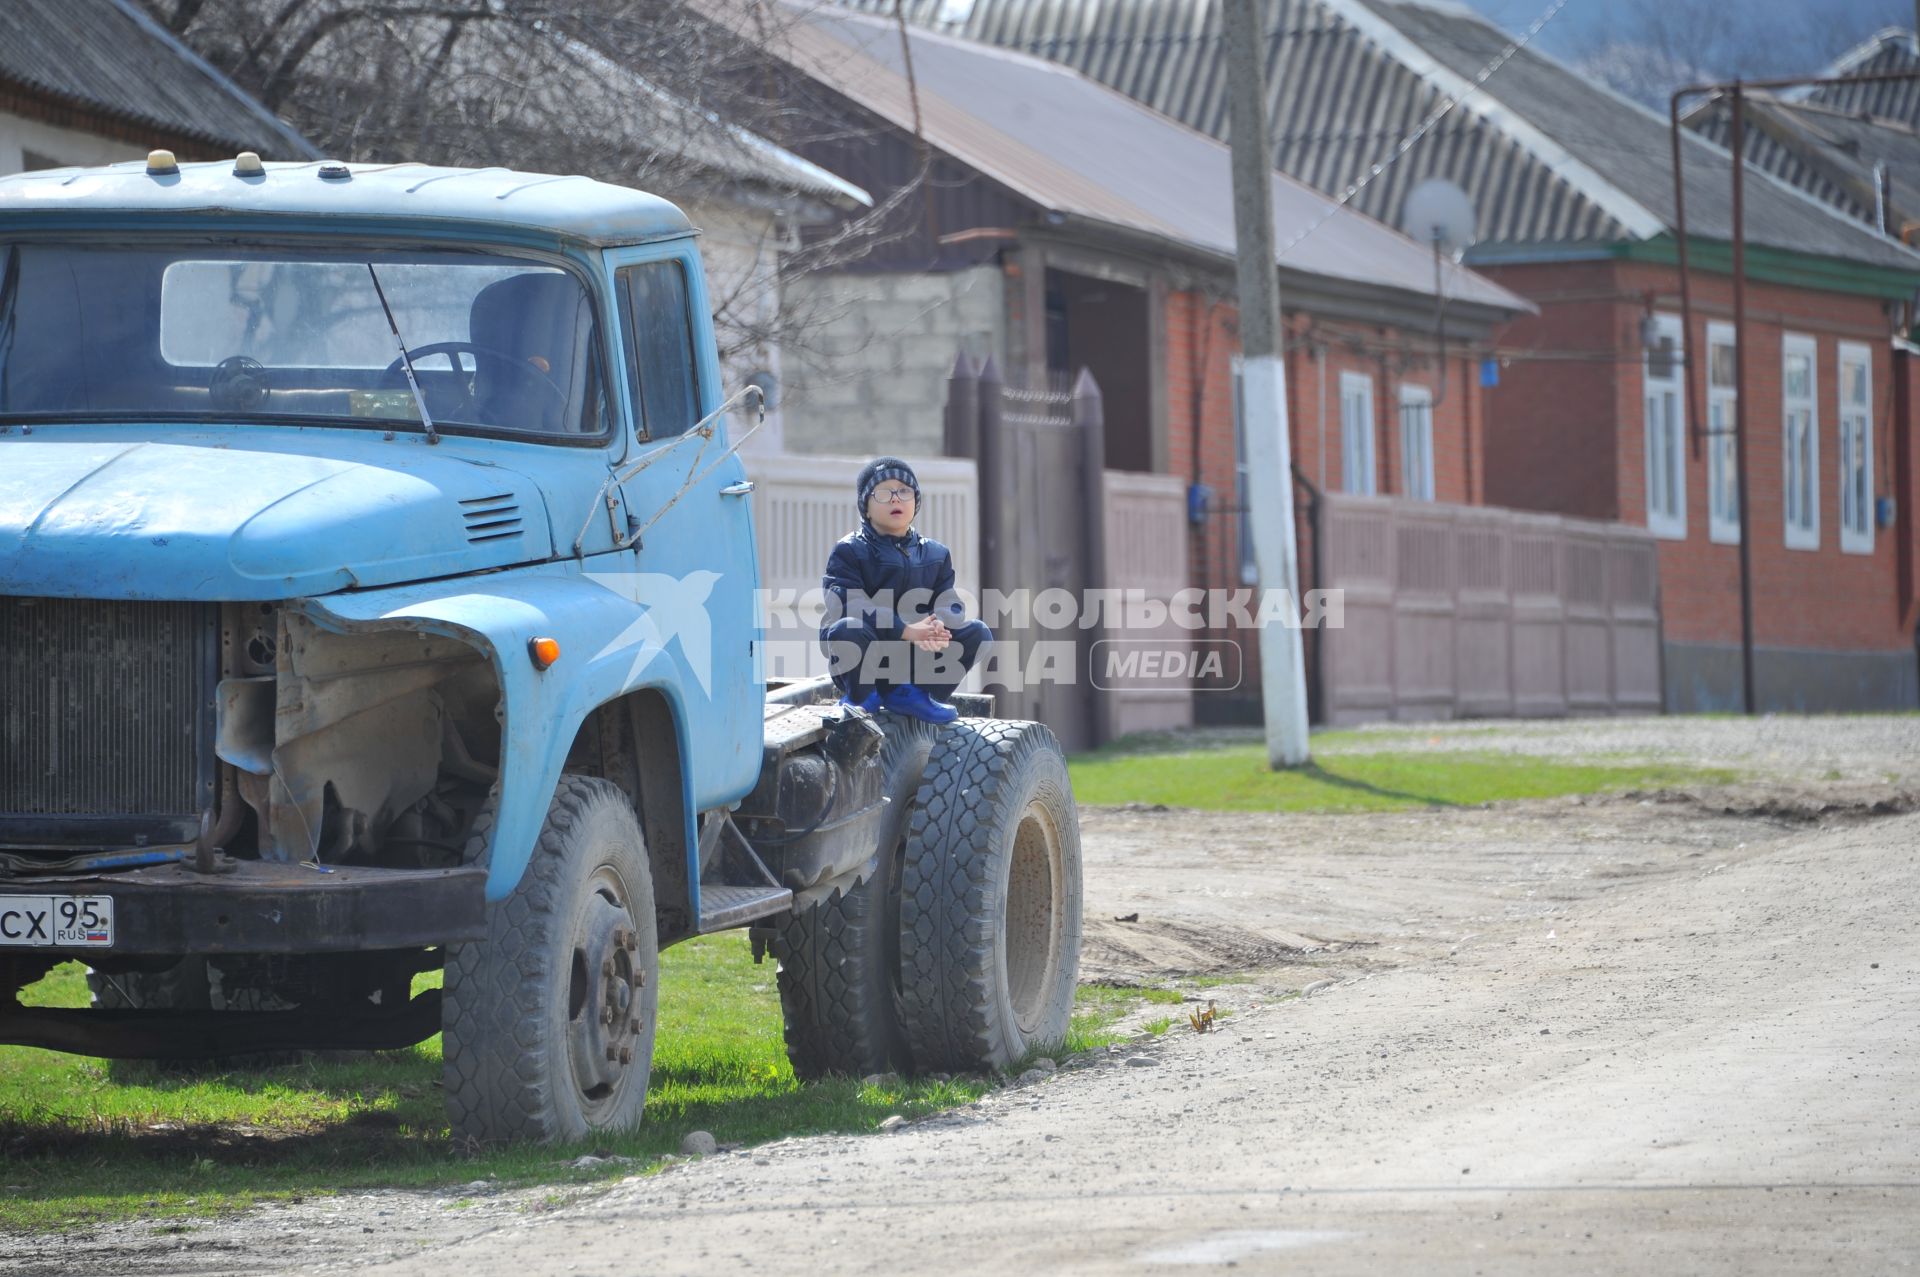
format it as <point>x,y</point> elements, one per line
<point>1694,1056</point>
<point>1672,1032</point>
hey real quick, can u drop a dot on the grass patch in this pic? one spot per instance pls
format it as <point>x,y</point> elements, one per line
<point>1096,1009</point>
<point>1236,778</point>
<point>1191,740</point>
<point>84,1141</point>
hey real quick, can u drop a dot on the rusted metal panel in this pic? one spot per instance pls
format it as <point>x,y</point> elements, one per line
<point>106,721</point>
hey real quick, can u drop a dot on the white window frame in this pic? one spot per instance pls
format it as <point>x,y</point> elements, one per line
<point>1800,448</point>
<point>1416,441</point>
<point>1664,426</point>
<point>1723,488</point>
<point>1358,473</point>
<point>1856,524</point>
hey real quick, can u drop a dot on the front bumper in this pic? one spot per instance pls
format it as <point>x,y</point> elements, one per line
<point>266,907</point>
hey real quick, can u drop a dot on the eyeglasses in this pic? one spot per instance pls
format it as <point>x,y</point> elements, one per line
<point>890,495</point>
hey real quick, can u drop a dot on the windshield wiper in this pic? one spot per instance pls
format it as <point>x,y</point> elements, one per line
<point>406,360</point>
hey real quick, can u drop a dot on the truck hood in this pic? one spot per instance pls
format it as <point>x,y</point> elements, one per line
<point>204,517</point>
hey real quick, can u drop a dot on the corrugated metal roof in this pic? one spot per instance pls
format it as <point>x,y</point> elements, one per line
<point>1548,157</point>
<point>1337,105</point>
<point>1890,49</point>
<point>1827,153</point>
<point>1079,149</point>
<point>107,56</point>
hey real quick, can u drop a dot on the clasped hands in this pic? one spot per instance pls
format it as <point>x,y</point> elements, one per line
<point>929,635</point>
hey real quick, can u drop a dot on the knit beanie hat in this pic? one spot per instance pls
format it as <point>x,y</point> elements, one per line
<point>880,470</point>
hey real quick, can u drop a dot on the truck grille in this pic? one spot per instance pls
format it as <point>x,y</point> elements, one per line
<point>106,721</point>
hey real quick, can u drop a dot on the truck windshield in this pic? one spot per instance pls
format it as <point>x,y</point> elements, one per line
<point>223,333</point>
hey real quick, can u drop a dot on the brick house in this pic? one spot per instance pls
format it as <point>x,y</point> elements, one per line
<point>1064,227</point>
<point>1574,192</point>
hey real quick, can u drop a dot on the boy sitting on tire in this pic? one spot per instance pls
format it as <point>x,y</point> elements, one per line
<point>895,635</point>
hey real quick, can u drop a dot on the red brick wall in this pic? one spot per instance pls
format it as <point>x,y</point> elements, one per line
<point>1550,421</point>
<point>1566,434</point>
<point>1202,341</point>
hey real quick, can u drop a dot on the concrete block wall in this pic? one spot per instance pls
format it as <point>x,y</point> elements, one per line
<point>867,369</point>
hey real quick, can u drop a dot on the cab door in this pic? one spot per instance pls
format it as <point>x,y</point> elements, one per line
<point>690,514</point>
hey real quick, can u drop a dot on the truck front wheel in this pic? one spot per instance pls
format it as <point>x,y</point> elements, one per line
<point>549,1021</point>
<point>990,899</point>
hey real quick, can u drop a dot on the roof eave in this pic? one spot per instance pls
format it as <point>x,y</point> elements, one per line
<point>1333,294</point>
<point>1764,263</point>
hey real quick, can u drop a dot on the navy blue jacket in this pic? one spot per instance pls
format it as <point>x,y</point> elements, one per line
<point>886,582</point>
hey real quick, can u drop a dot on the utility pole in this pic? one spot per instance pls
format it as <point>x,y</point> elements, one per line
<point>1269,497</point>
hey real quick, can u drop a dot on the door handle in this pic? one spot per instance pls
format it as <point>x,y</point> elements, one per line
<point>739,489</point>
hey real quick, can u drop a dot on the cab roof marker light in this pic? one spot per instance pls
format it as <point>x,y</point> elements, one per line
<point>160,163</point>
<point>247,164</point>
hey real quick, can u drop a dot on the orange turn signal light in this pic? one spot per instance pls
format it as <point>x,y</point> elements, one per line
<point>544,651</point>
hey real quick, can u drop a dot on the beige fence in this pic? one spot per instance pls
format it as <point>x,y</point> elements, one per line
<point>804,503</point>
<point>1146,524</point>
<point>1465,611</point>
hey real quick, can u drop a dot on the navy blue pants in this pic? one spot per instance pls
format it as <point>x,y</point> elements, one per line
<point>861,661</point>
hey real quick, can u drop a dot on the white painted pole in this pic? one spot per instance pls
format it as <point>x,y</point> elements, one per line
<point>1283,678</point>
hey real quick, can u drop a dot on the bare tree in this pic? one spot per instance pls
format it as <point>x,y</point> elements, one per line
<point>1648,48</point>
<point>640,92</point>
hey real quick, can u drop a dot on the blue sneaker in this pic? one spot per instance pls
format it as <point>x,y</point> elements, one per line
<point>913,702</point>
<point>871,704</point>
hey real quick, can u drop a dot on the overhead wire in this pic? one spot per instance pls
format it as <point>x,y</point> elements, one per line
<point>1426,126</point>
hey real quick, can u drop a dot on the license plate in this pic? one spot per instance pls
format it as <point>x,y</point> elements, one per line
<point>56,922</point>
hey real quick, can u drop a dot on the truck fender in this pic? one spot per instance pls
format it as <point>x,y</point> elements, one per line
<point>609,647</point>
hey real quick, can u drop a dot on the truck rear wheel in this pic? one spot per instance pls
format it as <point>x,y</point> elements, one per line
<point>990,899</point>
<point>840,958</point>
<point>549,1021</point>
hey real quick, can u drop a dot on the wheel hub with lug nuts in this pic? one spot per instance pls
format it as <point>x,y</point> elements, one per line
<point>605,1005</point>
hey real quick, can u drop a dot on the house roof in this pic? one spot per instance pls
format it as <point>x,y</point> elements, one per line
<point>1548,157</point>
<point>108,57</point>
<point>1080,151</point>
<point>1830,154</point>
<point>540,82</point>
<point>1889,49</point>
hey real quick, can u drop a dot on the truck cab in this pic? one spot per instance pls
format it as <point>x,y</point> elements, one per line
<point>378,594</point>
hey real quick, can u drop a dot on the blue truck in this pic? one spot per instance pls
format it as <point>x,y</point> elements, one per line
<point>378,596</point>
